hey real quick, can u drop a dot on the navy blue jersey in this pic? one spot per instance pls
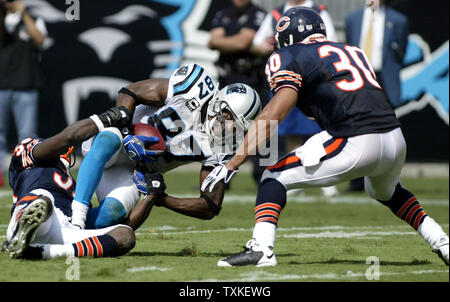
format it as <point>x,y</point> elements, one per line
<point>26,175</point>
<point>336,86</point>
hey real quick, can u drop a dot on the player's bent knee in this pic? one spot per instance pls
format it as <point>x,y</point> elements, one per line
<point>125,238</point>
<point>384,193</point>
<point>266,175</point>
<point>111,212</point>
<point>270,175</point>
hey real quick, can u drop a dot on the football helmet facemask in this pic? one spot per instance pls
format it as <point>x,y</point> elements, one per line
<point>231,112</point>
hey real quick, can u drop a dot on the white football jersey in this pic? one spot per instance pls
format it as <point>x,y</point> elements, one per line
<point>179,120</point>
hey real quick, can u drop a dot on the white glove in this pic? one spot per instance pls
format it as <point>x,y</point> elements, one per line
<point>217,174</point>
<point>79,213</point>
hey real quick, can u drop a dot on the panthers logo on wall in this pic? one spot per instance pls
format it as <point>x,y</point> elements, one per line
<point>86,61</point>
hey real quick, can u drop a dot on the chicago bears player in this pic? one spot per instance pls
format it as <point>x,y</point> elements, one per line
<point>43,191</point>
<point>192,117</point>
<point>334,84</point>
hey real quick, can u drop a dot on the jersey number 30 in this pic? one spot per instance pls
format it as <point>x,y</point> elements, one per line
<point>344,64</point>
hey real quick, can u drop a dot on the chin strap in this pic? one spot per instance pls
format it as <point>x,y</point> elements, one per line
<point>67,156</point>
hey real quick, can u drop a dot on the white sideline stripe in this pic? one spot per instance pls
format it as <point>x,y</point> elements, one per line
<point>318,199</point>
<point>266,276</point>
<point>5,193</point>
<point>147,268</point>
<point>340,234</point>
<point>345,234</point>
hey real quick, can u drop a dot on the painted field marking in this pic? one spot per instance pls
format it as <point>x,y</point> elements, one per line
<point>266,276</point>
<point>147,268</point>
<point>339,234</point>
<point>5,193</point>
<point>319,199</point>
<point>345,234</point>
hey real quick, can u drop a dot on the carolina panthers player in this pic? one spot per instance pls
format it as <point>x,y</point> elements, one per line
<point>335,84</point>
<point>43,191</point>
<point>192,117</point>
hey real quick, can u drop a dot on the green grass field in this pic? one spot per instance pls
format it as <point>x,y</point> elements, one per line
<point>317,240</point>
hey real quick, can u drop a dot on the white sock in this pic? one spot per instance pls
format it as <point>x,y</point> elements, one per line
<point>57,250</point>
<point>432,232</point>
<point>264,233</point>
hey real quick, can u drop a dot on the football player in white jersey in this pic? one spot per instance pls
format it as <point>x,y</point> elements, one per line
<point>191,114</point>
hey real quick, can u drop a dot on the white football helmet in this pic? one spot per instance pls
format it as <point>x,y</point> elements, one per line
<point>191,82</point>
<point>231,112</point>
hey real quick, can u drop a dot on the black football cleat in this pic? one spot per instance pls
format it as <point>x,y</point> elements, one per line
<point>252,255</point>
<point>30,219</point>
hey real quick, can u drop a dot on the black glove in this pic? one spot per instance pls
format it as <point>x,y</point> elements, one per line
<point>119,117</point>
<point>149,183</point>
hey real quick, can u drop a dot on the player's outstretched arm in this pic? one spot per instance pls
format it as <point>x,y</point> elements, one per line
<point>258,134</point>
<point>152,92</point>
<point>276,110</point>
<point>51,148</point>
<point>153,187</point>
<point>205,207</point>
<point>140,213</point>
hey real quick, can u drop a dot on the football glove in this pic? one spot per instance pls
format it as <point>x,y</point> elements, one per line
<point>149,183</point>
<point>135,148</point>
<point>119,117</point>
<point>217,174</point>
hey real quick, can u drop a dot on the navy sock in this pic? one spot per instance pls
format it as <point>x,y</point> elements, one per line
<point>270,201</point>
<point>405,206</point>
<point>96,246</point>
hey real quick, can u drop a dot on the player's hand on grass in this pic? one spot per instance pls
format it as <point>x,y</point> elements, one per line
<point>217,174</point>
<point>149,183</point>
<point>136,150</point>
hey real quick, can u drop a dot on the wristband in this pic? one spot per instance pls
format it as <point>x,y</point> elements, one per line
<point>97,122</point>
<point>125,90</point>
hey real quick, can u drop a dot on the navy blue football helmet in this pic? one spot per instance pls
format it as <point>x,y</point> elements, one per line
<point>296,24</point>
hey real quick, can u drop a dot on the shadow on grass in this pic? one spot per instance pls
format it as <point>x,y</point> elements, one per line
<point>363,262</point>
<point>189,253</point>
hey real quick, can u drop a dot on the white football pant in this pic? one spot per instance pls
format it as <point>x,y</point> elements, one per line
<point>378,157</point>
<point>57,229</point>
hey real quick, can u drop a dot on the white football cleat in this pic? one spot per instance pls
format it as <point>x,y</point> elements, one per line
<point>252,255</point>
<point>31,218</point>
<point>441,248</point>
